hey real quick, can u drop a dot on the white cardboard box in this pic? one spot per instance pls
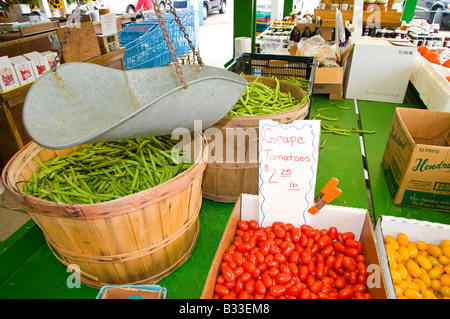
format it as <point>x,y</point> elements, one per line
<point>344,219</point>
<point>51,57</point>
<point>9,79</point>
<point>38,62</point>
<point>380,69</point>
<point>23,69</point>
<point>416,230</point>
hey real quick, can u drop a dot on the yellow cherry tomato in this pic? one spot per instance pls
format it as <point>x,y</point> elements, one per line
<point>436,272</point>
<point>447,268</point>
<point>396,277</point>
<point>445,291</point>
<point>412,285</point>
<point>424,262</point>
<point>434,261</point>
<point>398,291</point>
<point>428,294</point>
<point>403,251</point>
<point>402,239</point>
<point>425,278</point>
<point>402,270</point>
<point>421,284</point>
<point>423,253</point>
<point>390,239</point>
<point>393,245</point>
<point>421,245</point>
<point>413,268</point>
<point>446,251</point>
<point>412,249</point>
<point>434,250</point>
<point>444,260</point>
<point>402,284</point>
<point>412,294</point>
<point>445,280</point>
<point>436,285</point>
<point>444,243</point>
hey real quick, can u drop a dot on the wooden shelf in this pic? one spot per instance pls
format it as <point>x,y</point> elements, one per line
<point>390,18</point>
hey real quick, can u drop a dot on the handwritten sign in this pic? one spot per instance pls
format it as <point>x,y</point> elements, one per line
<point>108,22</point>
<point>288,155</point>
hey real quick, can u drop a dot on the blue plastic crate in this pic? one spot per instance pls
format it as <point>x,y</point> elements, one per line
<point>145,44</point>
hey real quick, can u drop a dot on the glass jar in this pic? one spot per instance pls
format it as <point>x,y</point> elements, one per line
<point>402,34</point>
<point>369,4</point>
<point>447,42</point>
<point>383,5</point>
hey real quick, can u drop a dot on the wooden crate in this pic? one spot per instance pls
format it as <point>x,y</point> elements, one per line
<point>82,44</point>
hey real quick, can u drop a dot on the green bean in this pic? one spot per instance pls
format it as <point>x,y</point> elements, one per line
<point>105,171</point>
<point>258,95</point>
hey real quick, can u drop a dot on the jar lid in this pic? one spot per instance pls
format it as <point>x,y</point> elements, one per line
<point>382,1</point>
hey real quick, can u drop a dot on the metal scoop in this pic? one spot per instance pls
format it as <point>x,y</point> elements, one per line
<point>86,103</point>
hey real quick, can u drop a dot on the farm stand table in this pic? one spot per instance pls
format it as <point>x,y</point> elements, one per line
<point>29,269</point>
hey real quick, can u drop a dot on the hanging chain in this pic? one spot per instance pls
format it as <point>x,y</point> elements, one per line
<point>169,42</point>
<point>61,49</point>
<point>72,21</point>
<point>183,29</point>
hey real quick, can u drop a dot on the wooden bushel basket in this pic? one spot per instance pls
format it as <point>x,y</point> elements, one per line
<point>225,182</point>
<point>137,239</point>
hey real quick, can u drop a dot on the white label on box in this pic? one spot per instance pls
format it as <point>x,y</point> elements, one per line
<point>288,156</point>
<point>108,22</point>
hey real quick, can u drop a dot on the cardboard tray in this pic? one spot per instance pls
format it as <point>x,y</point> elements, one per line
<point>343,218</point>
<point>431,233</point>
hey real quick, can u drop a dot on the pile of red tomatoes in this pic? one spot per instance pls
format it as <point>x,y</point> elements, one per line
<point>283,261</point>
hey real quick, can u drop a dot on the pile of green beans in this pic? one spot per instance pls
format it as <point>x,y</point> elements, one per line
<point>301,82</point>
<point>106,171</point>
<point>261,99</point>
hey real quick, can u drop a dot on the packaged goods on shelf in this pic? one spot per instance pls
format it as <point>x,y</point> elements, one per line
<point>38,62</point>
<point>9,78</point>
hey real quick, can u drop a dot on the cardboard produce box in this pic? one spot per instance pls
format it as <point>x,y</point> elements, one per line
<point>416,160</point>
<point>329,80</point>
<point>416,230</point>
<point>343,218</point>
<point>380,69</point>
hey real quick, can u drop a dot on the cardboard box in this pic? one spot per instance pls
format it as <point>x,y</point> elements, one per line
<point>105,40</point>
<point>416,160</point>
<point>416,230</point>
<point>9,78</point>
<point>110,47</point>
<point>380,69</point>
<point>38,62</point>
<point>344,218</point>
<point>23,69</point>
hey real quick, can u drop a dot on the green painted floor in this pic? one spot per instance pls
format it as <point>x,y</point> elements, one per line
<point>29,269</point>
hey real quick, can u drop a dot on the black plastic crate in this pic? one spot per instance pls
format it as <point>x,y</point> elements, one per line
<point>280,66</point>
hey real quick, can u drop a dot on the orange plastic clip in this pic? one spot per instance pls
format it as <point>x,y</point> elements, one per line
<point>328,197</point>
<point>328,186</point>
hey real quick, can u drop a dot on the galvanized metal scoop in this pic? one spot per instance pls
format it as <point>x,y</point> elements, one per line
<point>86,103</point>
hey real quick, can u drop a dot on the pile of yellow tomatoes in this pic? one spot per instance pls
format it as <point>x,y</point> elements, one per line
<point>419,270</point>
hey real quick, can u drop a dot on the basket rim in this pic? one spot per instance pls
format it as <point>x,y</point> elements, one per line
<point>119,206</point>
<point>230,120</point>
